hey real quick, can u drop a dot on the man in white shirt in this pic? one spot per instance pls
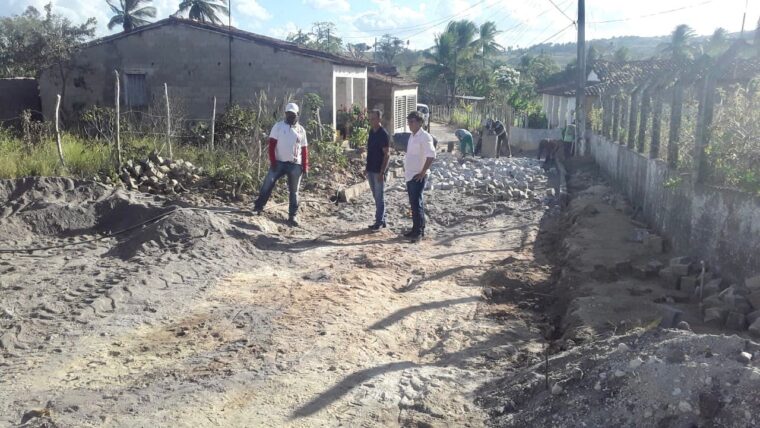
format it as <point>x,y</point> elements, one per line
<point>420,153</point>
<point>288,155</point>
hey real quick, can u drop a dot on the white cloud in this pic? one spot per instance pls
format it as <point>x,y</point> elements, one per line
<point>332,5</point>
<point>253,9</point>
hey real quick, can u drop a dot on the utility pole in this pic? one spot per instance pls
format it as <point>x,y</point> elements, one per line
<point>580,91</point>
<point>375,56</point>
<point>744,18</point>
<point>229,28</point>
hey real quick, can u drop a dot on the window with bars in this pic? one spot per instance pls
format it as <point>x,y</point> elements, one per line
<point>399,114</point>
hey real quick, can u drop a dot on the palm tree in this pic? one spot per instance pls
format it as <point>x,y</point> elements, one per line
<point>439,62</point>
<point>718,43</point>
<point>204,10</point>
<point>463,34</point>
<point>486,43</point>
<point>130,14</point>
<point>681,46</point>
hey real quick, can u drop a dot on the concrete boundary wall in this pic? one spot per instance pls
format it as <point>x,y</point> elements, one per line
<point>720,226</point>
<point>528,139</point>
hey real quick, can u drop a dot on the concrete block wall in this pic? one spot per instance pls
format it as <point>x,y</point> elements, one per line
<point>195,64</point>
<point>528,139</point>
<point>720,226</point>
<point>17,95</point>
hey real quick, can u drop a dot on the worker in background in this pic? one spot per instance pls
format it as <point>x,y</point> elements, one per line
<point>288,155</point>
<point>568,137</point>
<point>502,138</point>
<point>465,142</point>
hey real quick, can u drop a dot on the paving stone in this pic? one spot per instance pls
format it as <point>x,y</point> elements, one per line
<point>670,316</point>
<point>736,321</point>
<point>689,284</point>
<point>754,328</point>
<point>753,316</point>
<point>680,269</point>
<point>754,299</point>
<point>670,279</point>
<point>654,243</point>
<point>716,317</point>
<point>680,260</point>
<point>753,283</point>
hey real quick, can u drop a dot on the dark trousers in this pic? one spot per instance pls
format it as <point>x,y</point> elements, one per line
<point>293,171</point>
<point>415,189</point>
<point>378,193</point>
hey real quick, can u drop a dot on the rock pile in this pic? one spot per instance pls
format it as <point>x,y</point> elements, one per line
<point>158,175</point>
<point>735,307</point>
<point>509,178</point>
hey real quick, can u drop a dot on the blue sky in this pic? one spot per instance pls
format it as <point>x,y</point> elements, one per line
<point>525,22</point>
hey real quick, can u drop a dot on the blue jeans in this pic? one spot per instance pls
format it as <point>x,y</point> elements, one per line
<point>293,171</point>
<point>378,192</point>
<point>415,189</point>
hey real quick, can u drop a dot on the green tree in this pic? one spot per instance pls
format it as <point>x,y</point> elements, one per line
<point>592,56</point>
<point>32,42</point>
<point>299,38</point>
<point>507,78</point>
<point>357,50</point>
<point>463,33</point>
<point>130,14</point>
<point>438,66</point>
<point>486,44</point>
<point>623,54</point>
<point>681,46</point>
<point>537,69</point>
<point>717,43</point>
<point>388,48</point>
<point>205,10</point>
<point>324,37</point>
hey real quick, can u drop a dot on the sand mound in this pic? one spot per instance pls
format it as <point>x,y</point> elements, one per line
<point>64,207</point>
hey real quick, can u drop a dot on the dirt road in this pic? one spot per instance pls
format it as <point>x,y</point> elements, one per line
<point>214,318</point>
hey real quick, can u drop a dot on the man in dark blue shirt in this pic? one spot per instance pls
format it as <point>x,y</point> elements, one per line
<point>378,154</point>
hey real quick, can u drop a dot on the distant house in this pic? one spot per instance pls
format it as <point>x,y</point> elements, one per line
<point>193,59</point>
<point>558,100</point>
<point>395,96</point>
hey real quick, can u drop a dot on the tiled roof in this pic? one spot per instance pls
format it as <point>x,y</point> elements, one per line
<point>240,34</point>
<point>393,80</point>
<point>631,73</point>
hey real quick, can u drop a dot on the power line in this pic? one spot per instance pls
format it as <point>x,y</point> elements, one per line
<point>562,11</point>
<point>416,26</point>
<point>556,34</point>
<point>656,13</point>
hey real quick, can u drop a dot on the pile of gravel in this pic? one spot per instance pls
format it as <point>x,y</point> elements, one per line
<point>511,178</point>
<point>645,378</point>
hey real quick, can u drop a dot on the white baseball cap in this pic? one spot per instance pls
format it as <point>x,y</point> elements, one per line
<point>292,107</point>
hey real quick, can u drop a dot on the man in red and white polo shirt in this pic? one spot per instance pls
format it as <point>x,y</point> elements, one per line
<point>288,155</point>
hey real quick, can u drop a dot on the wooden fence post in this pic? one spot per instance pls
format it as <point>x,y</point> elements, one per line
<point>646,108</point>
<point>633,117</point>
<point>654,148</point>
<point>703,135</point>
<point>606,115</point>
<point>617,100</point>
<point>168,122</point>
<point>213,122</point>
<point>58,130</point>
<point>118,121</point>
<point>676,113</point>
<point>624,118</point>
